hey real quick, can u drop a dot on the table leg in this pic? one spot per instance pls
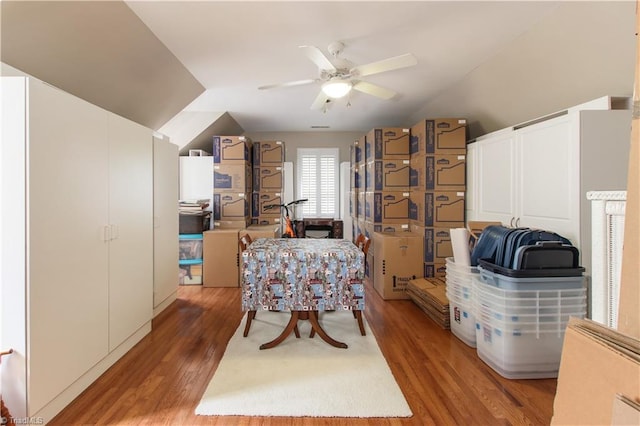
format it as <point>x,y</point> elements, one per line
<point>250,316</point>
<point>313,318</point>
<point>358,315</point>
<point>293,323</point>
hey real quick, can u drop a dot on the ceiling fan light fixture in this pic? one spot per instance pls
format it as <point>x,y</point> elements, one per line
<point>336,88</point>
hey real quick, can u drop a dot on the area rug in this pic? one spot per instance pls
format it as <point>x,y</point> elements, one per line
<point>303,377</point>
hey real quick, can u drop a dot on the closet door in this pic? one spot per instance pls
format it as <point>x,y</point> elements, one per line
<point>131,228</point>
<point>67,254</point>
<point>165,222</point>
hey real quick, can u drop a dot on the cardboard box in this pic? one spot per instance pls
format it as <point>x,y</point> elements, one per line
<point>353,203</point>
<point>628,312</point>
<point>390,143</point>
<point>386,207</point>
<point>362,174</point>
<point>268,179</point>
<point>355,180</point>
<point>437,244</point>
<point>232,224</point>
<point>361,204</point>
<point>231,149</point>
<point>371,227</point>
<point>439,136</point>
<point>268,153</point>
<point>597,364</point>
<point>265,220</point>
<point>396,258</point>
<point>259,201</point>
<point>437,209</point>
<point>232,178</point>
<point>387,175</point>
<point>435,270</point>
<point>221,258</point>
<point>438,173</point>
<point>264,231</point>
<point>230,206</point>
<point>356,152</point>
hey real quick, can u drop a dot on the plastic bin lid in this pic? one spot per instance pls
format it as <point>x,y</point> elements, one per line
<point>530,273</point>
<point>190,236</point>
<point>189,262</point>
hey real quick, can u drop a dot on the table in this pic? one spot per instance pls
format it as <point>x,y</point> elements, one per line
<point>304,276</point>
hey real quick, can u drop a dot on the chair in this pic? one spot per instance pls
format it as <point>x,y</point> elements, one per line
<point>244,241</point>
<point>362,242</point>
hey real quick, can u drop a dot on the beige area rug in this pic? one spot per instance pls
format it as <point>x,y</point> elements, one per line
<point>303,377</point>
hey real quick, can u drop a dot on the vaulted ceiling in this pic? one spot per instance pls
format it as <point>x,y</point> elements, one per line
<point>197,61</point>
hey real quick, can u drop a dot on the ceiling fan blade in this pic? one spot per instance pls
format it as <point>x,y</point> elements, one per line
<point>320,101</point>
<point>389,64</point>
<point>289,84</point>
<point>374,90</point>
<point>318,58</point>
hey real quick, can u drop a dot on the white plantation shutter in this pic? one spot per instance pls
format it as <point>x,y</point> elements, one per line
<point>318,182</point>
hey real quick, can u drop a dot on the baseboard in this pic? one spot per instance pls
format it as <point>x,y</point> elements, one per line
<point>165,303</point>
<point>49,411</point>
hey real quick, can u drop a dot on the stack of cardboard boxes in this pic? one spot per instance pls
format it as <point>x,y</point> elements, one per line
<point>380,209</point>
<point>407,192</point>
<point>231,181</point>
<point>437,189</point>
<point>386,170</point>
<point>268,181</point>
<point>247,176</point>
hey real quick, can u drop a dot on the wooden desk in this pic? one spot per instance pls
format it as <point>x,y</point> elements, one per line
<point>303,276</point>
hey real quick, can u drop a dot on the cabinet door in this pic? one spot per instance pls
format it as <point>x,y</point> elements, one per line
<point>165,220</point>
<point>67,254</point>
<point>471,182</point>
<point>131,225</point>
<point>496,174</point>
<point>547,184</point>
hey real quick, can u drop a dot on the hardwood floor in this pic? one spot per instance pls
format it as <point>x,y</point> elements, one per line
<point>160,381</point>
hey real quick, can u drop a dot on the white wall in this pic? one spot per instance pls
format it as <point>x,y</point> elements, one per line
<point>582,51</point>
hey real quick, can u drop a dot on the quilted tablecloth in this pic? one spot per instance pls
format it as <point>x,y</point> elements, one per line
<point>300,274</point>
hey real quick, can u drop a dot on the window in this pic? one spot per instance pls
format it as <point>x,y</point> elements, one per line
<point>318,177</point>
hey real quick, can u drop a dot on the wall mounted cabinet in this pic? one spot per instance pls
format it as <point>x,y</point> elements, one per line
<point>537,174</point>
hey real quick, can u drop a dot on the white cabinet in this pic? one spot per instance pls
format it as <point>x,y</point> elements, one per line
<point>196,178</point>
<point>77,243</point>
<point>165,223</point>
<point>492,163</point>
<point>537,174</point>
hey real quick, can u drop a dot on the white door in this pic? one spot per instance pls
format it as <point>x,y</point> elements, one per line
<point>165,220</point>
<point>548,161</point>
<point>496,176</point>
<point>66,254</point>
<point>131,228</point>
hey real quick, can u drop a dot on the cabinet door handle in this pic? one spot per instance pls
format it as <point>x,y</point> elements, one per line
<point>517,222</point>
<point>106,233</point>
<point>115,232</point>
<point>511,222</point>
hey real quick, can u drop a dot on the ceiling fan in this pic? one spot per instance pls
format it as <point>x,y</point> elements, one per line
<point>338,77</point>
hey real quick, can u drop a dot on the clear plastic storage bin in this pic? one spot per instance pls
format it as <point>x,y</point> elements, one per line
<point>459,280</point>
<point>520,322</point>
